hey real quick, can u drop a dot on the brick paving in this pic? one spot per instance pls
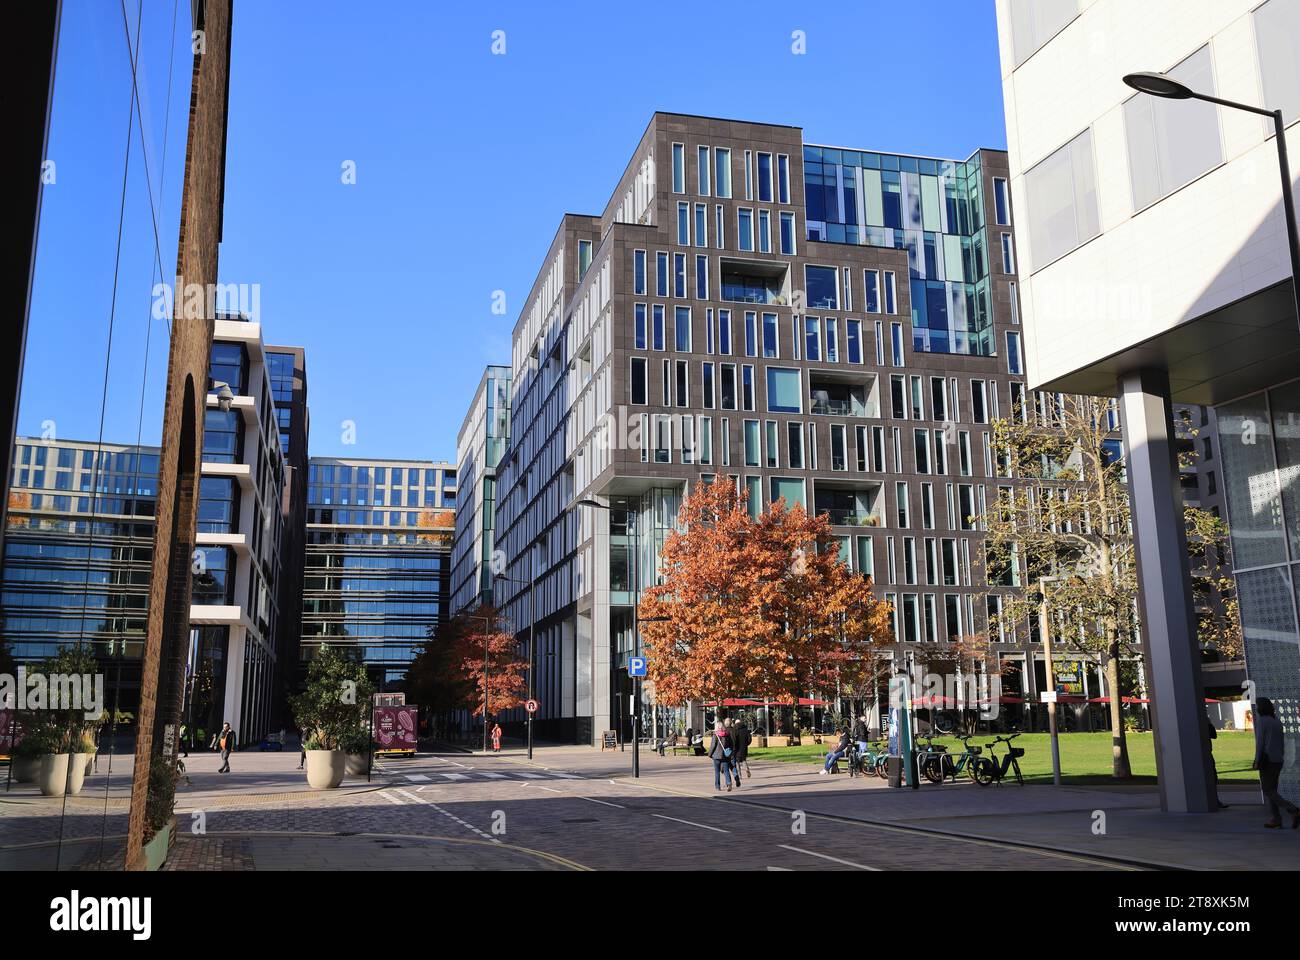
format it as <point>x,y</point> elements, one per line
<point>576,808</point>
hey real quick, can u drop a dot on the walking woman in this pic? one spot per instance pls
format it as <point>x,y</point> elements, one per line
<point>496,738</point>
<point>720,753</point>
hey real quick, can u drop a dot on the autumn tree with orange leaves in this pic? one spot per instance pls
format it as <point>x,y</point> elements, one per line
<point>756,607</point>
<point>481,631</point>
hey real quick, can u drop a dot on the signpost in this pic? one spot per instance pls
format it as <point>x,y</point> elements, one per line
<point>636,669</point>
<point>531,707</point>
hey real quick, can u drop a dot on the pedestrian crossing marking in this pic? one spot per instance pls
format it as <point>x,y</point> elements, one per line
<point>418,777</point>
<point>455,776</point>
<point>531,776</point>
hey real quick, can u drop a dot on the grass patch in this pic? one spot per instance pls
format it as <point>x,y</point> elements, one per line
<point>1085,757</point>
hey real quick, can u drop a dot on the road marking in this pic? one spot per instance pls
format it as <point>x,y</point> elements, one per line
<point>530,776</point>
<point>771,869</point>
<point>417,777</point>
<point>814,853</point>
<point>454,776</point>
<point>493,776</point>
<point>452,816</point>
<point>603,802</point>
<point>391,799</point>
<point>551,789</point>
<point>566,776</point>
<point>690,823</point>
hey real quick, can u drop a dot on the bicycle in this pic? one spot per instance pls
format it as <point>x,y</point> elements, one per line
<point>872,760</point>
<point>988,770</point>
<point>947,767</point>
<point>929,760</point>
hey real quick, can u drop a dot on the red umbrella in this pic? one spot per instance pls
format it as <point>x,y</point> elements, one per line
<point>735,702</point>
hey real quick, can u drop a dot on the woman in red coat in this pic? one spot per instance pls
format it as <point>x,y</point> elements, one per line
<point>496,738</point>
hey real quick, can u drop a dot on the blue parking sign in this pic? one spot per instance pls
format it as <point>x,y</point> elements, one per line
<point>636,666</point>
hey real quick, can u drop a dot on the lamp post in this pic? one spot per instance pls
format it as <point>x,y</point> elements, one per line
<point>532,626</point>
<point>1045,631</point>
<point>1162,85</point>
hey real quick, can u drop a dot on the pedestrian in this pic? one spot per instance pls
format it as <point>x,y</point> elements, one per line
<point>496,738</point>
<point>740,733</point>
<point>841,748</point>
<point>860,732</point>
<point>1209,758</point>
<point>185,732</point>
<point>1270,751</point>
<point>226,740</point>
<point>720,753</point>
<point>302,747</point>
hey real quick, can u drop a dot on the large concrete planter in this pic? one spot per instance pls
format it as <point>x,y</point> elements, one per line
<point>26,769</point>
<point>78,767</point>
<point>358,764</point>
<point>52,777</point>
<point>325,768</point>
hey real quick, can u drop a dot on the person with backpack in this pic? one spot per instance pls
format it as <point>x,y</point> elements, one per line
<point>226,741</point>
<point>721,753</point>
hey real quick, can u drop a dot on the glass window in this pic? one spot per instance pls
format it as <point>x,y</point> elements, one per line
<point>679,168</point>
<point>1061,192</point>
<point>891,303</point>
<point>783,179</point>
<point>784,390</point>
<point>853,338</point>
<point>724,332</point>
<point>701,277</point>
<point>787,233</point>
<point>638,380</point>
<point>701,225</point>
<point>1001,202</point>
<point>791,488</point>
<point>1277,25</point>
<point>703,174</point>
<point>679,275</point>
<point>1014,363</point>
<point>765,178</point>
<point>682,330</point>
<point>661,274</point>
<point>1034,22</point>
<point>728,388</point>
<point>770,350</point>
<point>657,330</point>
<point>638,273</point>
<point>639,331</point>
<point>751,443</point>
<point>871,282</point>
<point>812,338</point>
<point>1008,254</point>
<point>722,158</point>
<point>764,231</point>
<point>684,223</point>
<point>745,227</point>
<point>1172,142</point>
<point>822,287</point>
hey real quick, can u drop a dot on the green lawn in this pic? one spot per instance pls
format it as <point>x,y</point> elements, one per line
<point>1085,757</point>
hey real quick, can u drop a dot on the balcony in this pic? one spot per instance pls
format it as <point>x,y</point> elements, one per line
<point>842,394</point>
<point>754,281</point>
<point>849,504</point>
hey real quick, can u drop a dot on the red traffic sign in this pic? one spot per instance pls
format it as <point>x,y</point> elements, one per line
<point>531,706</point>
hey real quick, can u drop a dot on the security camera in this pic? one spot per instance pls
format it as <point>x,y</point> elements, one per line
<point>225,396</point>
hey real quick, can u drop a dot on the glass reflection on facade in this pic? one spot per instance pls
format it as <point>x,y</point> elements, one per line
<point>933,209</point>
<point>1260,448</point>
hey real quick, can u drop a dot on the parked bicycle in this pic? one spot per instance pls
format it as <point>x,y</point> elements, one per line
<point>949,767</point>
<point>929,758</point>
<point>872,760</point>
<point>992,770</point>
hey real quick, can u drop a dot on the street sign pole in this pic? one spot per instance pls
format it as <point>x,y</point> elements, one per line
<point>1044,629</point>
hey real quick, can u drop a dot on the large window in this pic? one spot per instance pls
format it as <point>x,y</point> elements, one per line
<point>679,168</point>
<point>822,287</point>
<point>1034,22</point>
<point>784,390</point>
<point>722,158</point>
<point>1061,192</point>
<point>1172,142</point>
<point>638,380</point>
<point>1277,25</point>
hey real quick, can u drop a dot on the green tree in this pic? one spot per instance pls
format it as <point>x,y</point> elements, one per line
<point>336,701</point>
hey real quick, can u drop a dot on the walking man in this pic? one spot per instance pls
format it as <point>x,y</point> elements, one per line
<point>720,753</point>
<point>226,741</point>
<point>1269,754</point>
<point>741,737</point>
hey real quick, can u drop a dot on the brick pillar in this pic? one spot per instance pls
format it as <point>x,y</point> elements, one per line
<point>163,672</point>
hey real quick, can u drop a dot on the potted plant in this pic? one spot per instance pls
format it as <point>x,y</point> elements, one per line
<point>356,746</point>
<point>52,774</point>
<point>26,758</point>
<point>334,704</point>
<point>159,812</point>
<point>81,751</point>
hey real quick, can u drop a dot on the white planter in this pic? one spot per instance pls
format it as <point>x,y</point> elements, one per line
<point>358,764</point>
<point>26,769</point>
<point>78,770</point>
<point>53,775</point>
<point>325,768</point>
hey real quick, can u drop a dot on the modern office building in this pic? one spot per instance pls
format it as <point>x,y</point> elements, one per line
<point>287,368</point>
<point>1155,267</point>
<point>833,326</point>
<point>482,440</point>
<point>78,553</point>
<point>234,613</point>
<point>378,567</point>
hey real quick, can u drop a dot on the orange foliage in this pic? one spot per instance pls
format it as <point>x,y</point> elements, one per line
<point>761,608</point>
<point>482,632</point>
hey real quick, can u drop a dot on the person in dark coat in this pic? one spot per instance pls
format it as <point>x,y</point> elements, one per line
<point>720,753</point>
<point>226,741</point>
<point>742,737</point>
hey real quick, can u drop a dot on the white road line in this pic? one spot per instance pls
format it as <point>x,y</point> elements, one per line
<point>454,776</point>
<point>690,823</point>
<point>417,777</point>
<point>530,776</point>
<point>391,799</point>
<point>603,802</point>
<point>493,776</point>
<point>814,853</point>
<point>772,869</point>
<point>468,826</point>
<point>566,776</point>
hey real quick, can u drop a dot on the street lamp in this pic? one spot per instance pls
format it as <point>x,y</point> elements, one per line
<point>1045,631</point>
<point>532,625</point>
<point>1162,85</point>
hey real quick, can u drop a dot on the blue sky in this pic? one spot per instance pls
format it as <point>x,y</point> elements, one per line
<point>465,161</point>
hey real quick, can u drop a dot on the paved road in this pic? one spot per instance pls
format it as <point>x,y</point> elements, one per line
<point>456,811</point>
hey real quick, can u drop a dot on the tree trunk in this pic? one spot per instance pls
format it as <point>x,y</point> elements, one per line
<point>1120,769</point>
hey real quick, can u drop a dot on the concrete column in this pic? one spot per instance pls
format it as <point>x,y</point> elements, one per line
<point>1165,594</point>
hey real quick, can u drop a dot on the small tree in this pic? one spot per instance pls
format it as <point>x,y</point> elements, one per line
<point>758,607</point>
<point>502,685</point>
<point>336,701</point>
